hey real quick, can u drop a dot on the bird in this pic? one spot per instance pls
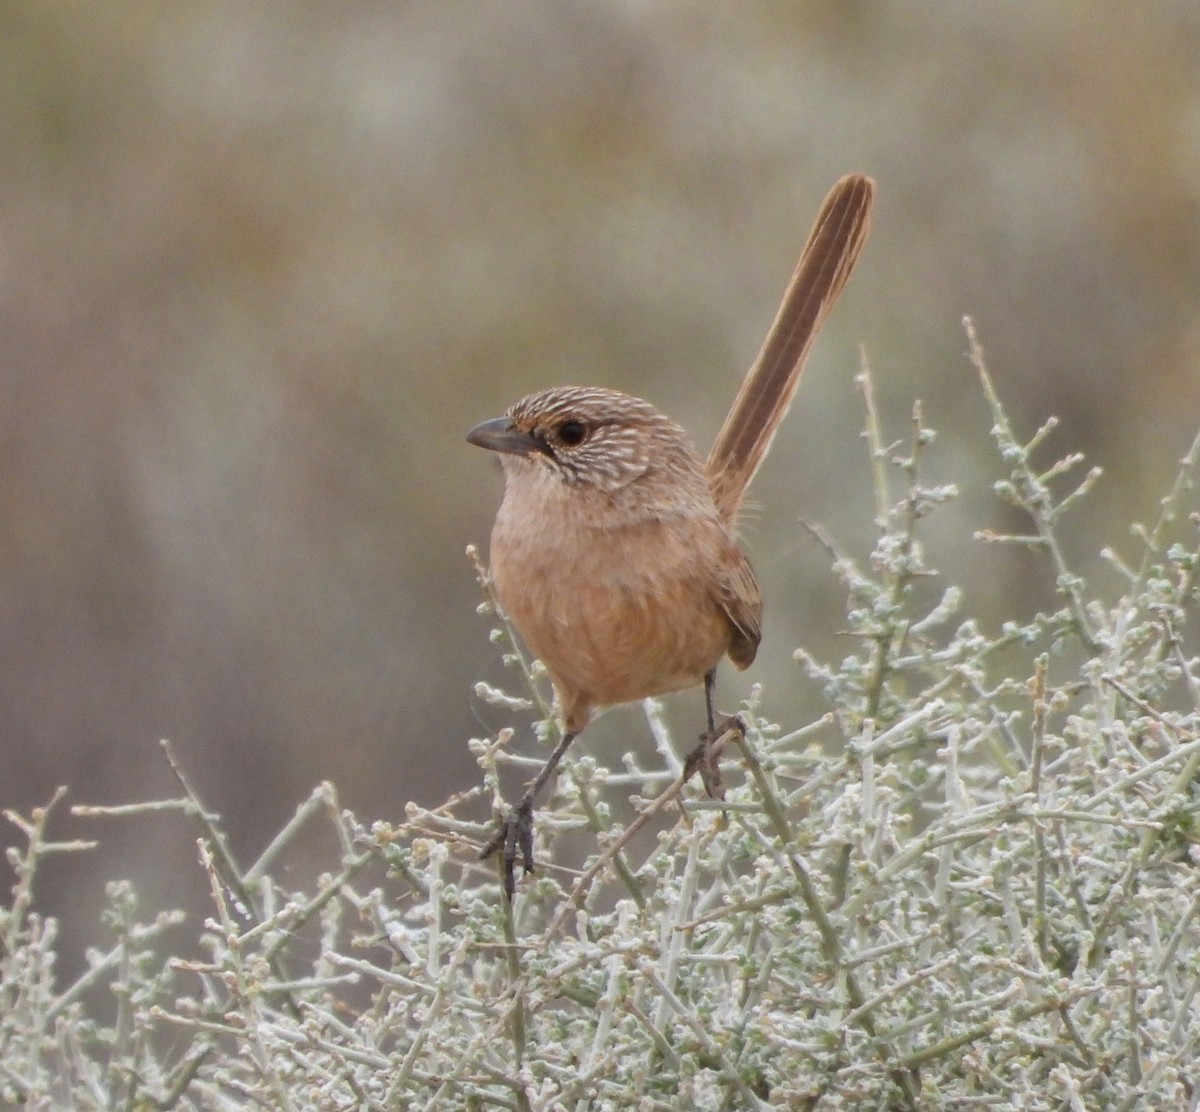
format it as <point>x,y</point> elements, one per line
<point>614,552</point>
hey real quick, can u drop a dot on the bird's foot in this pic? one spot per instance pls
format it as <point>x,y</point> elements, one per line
<point>706,757</point>
<point>514,834</point>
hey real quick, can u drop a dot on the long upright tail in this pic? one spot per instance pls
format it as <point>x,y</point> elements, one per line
<point>825,264</point>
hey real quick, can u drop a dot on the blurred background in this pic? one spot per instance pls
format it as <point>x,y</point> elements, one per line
<point>262,265</point>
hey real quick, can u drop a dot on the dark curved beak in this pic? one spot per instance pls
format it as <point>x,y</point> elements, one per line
<point>501,435</point>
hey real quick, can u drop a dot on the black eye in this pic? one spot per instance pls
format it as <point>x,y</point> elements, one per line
<point>572,433</point>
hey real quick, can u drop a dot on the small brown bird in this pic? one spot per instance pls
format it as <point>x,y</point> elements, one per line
<point>615,551</point>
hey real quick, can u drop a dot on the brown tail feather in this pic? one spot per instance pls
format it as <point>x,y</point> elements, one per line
<point>829,255</point>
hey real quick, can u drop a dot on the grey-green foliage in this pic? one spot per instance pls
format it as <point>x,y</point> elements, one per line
<point>987,897</point>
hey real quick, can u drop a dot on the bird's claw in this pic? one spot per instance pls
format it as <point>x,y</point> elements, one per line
<point>514,835</point>
<point>705,758</point>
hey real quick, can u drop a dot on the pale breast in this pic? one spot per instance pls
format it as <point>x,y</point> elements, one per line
<point>617,613</point>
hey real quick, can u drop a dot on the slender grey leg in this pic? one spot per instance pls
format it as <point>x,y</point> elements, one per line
<point>515,833</point>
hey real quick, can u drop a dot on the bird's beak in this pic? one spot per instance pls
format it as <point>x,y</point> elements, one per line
<point>501,435</point>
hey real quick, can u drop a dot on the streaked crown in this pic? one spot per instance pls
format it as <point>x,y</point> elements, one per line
<point>600,437</point>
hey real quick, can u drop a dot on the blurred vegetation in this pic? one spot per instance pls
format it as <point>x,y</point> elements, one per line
<point>263,264</point>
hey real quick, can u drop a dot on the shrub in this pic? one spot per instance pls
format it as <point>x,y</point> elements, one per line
<point>985,898</point>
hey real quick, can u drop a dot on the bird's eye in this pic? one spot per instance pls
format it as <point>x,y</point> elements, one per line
<point>572,433</point>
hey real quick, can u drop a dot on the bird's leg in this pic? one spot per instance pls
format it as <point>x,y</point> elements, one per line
<point>516,830</point>
<point>704,758</point>
<point>710,684</point>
